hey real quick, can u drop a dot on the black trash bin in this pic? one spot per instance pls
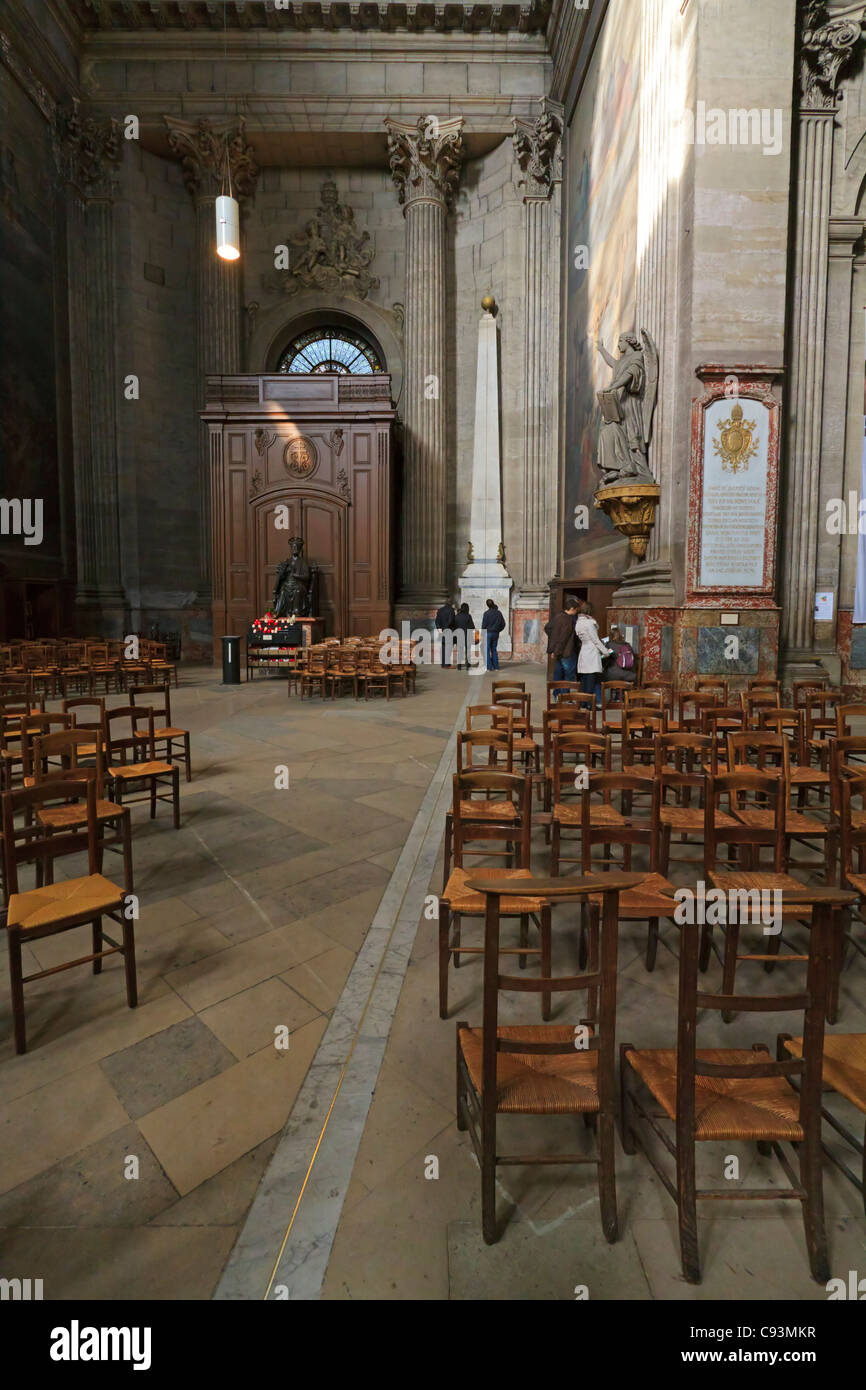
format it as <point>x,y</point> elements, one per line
<point>231,660</point>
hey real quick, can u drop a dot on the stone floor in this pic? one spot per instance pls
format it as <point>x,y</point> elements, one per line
<point>251,917</point>
<point>256,916</point>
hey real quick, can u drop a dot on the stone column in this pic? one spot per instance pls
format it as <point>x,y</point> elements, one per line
<point>87,151</point>
<point>826,46</point>
<point>537,151</point>
<point>425,164</point>
<point>204,148</point>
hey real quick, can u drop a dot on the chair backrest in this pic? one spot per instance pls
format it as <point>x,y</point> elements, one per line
<point>161,710</point>
<point>508,687</point>
<point>599,975</point>
<point>643,830</point>
<point>790,721</point>
<point>811,1001</point>
<point>718,684</point>
<point>644,699</point>
<point>121,727</point>
<point>698,700</point>
<point>497,715</point>
<point>563,719</point>
<point>681,760</point>
<point>79,703</point>
<point>613,694</point>
<point>32,842</point>
<point>763,683</point>
<point>744,791</point>
<point>752,702</point>
<point>760,750</point>
<point>851,837</point>
<point>844,715</point>
<point>518,701</point>
<point>802,689</point>
<point>34,726</point>
<point>495,741</point>
<point>718,721</point>
<point>640,728</point>
<point>573,751</point>
<point>515,788</point>
<point>65,746</point>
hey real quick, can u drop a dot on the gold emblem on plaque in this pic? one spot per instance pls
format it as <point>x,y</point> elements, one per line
<point>736,444</point>
<point>301,457</point>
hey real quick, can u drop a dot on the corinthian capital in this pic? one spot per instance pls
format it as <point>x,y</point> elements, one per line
<point>536,149</point>
<point>827,44</point>
<point>86,150</point>
<point>202,147</point>
<point>425,158</point>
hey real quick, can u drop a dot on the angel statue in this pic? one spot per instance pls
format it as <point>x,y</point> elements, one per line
<point>627,408</point>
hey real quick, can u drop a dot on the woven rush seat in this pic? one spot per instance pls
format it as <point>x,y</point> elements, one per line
<point>466,901</point>
<point>161,733</point>
<point>645,770</point>
<point>56,902</point>
<point>844,1064</point>
<point>654,897</point>
<point>488,810</point>
<point>691,818</point>
<point>763,879</point>
<point>531,1084</point>
<point>857,882</point>
<point>795,822</point>
<point>598,815</point>
<point>133,770</point>
<point>67,816</point>
<point>813,775</point>
<point>524,744</point>
<point>725,1107</point>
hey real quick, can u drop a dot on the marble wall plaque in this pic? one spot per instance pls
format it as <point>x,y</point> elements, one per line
<point>858,648</point>
<point>734,504</point>
<point>531,632</point>
<point>712,660</point>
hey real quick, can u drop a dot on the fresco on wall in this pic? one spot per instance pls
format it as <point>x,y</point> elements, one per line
<point>602,191</point>
<point>28,433</point>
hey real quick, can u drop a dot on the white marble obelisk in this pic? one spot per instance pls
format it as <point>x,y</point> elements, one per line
<point>486,576</point>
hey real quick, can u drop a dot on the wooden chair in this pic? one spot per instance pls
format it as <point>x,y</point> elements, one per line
<point>820,706</point>
<point>542,1070</point>
<point>738,1095</point>
<point>681,769</point>
<point>753,702</point>
<point>373,677</point>
<point>718,722</point>
<point>15,743</point>
<point>122,765</point>
<point>160,664</point>
<point>613,695</point>
<point>342,675</point>
<point>843,1071</point>
<point>525,746</point>
<point>314,674</point>
<point>457,900</point>
<point>641,727</point>
<point>495,715</point>
<point>55,759</point>
<point>79,706</point>
<point>852,866</point>
<point>573,758</point>
<point>164,731</point>
<point>844,715</point>
<point>803,689</point>
<point>766,752</point>
<point>718,684</point>
<point>556,689</point>
<point>690,704</point>
<point>508,688</point>
<point>52,908</point>
<point>73,673</point>
<point>102,668</point>
<point>497,742</point>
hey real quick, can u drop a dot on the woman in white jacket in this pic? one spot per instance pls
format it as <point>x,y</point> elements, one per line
<point>592,649</point>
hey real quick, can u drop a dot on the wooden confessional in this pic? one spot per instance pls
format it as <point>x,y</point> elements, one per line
<point>308,456</point>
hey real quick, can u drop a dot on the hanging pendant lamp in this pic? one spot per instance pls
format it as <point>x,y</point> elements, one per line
<point>228,213</point>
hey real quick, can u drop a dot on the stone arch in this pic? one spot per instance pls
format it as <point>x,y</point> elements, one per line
<point>276,326</point>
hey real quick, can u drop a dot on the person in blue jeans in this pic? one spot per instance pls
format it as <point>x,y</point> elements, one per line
<point>562,643</point>
<point>492,624</point>
<point>592,649</point>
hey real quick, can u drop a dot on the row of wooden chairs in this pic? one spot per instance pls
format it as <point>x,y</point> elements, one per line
<point>85,666</point>
<point>334,669</point>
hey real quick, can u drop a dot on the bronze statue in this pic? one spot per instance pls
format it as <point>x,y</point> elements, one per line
<point>293,591</point>
<point>627,407</point>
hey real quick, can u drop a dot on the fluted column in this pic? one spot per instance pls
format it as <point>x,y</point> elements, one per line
<point>204,149</point>
<point>536,148</point>
<point>88,151</point>
<point>826,45</point>
<point>425,164</point>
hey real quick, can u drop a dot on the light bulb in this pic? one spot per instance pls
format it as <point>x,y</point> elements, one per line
<point>228,239</point>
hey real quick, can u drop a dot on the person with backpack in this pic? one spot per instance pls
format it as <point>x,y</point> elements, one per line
<point>492,624</point>
<point>445,624</point>
<point>624,664</point>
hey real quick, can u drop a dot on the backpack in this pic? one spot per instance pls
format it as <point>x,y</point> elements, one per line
<point>624,658</point>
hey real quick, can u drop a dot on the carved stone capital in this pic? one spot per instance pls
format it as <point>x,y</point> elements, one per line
<point>87,150</point>
<point>827,45</point>
<point>425,158</point>
<point>203,146</point>
<point>537,151</point>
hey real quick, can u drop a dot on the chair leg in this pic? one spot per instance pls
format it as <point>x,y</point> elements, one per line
<point>97,944</point>
<point>186,757</point>
<point>461,1122</point>
<point>704,953</point>
<point>554,850</point>
<point>811,1177</point>
<point>153,797</point>
<point>444,954</point>
<point>837,956</point>
<point>652,943</point>
<point>607,1177</point>
<point>524,938</point>
<point>175,795</point>
<point>129,962</point>
<point>16,982</point>
<point>488,1182</point>
<point>546,935</point>
<point>126,835</point>
<point>625,1106</point>
<point>729,966</point>
<point>687,1209</point>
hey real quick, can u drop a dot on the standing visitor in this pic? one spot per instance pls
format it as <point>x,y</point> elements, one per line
<point>464,623</point>
<point>492,624</point>
<point>561,642</point>
<point>592,649</point>
<point>445,622</point>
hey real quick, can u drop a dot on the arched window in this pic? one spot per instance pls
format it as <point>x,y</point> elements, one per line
<point>330,349</point>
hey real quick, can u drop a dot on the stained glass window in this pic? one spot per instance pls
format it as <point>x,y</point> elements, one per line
<point>330,350</point>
